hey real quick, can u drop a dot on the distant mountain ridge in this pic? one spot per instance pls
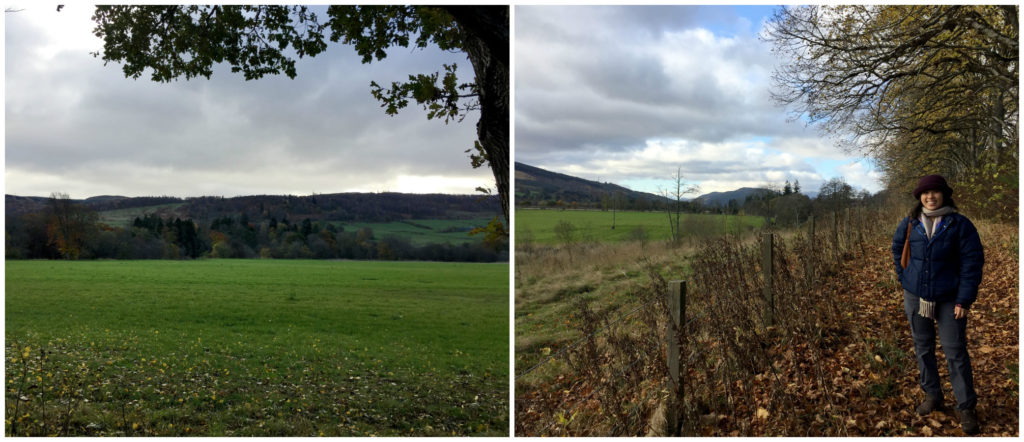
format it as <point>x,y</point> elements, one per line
<point>536,185</point>
<point>721,199</point>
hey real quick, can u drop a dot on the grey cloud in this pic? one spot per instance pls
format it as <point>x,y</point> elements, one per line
<point>585,86</point>
<point>76,118</point>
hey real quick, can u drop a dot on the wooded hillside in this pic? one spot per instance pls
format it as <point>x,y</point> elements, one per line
<point>250,226</point>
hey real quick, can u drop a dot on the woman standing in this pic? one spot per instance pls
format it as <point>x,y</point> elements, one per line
<point>940,282</point>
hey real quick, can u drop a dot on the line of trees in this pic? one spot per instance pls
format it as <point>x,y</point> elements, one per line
<point>788,207</point>
<point>574,200</point>
<point>67,230</point>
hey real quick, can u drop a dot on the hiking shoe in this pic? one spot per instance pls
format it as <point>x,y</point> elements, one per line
<point>969,421</point>
<point>930,404</point>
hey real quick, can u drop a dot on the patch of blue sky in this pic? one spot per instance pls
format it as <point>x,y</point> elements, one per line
<point>725,22</point>
<point>649,185</point>
<point>827,167</point>
<point>760,140</point>
<point>756,14</point>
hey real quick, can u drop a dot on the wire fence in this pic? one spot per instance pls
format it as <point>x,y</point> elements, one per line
<point>606,364</point>
<point>622,376</point>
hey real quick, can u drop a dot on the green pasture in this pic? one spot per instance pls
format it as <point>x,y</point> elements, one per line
<point>124,217</point>
<point>256,347</point>
<point>421,232</point>
<point>538,225</point>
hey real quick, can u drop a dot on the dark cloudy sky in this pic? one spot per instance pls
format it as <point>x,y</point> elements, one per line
<point>627,94</point>
<point>75,126</point>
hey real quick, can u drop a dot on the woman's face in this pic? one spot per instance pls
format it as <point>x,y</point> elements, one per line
<point>931,199</point>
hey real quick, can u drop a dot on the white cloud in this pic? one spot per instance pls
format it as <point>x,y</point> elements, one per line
<point>861,175</point>
<point>808,147</point>
<point>714,166</point>
<point>443,184</point>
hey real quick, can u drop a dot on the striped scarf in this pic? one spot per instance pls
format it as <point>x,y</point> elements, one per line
<point>930,219</point>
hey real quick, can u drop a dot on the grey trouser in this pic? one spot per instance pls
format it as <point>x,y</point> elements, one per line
<point>953,334</point>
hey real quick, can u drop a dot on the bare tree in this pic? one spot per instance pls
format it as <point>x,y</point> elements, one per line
<point>680,189</point>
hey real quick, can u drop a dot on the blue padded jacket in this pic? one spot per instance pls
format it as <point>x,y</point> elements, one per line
<point>947,267</point>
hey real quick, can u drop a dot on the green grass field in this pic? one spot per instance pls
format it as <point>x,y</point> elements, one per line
<point>595,225</point>
<point>421,232</point>
<point>256,347</point>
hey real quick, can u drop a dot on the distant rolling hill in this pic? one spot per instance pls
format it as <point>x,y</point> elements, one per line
<point>721,199</point>
<point>348,207</point>
<point>535,186</point>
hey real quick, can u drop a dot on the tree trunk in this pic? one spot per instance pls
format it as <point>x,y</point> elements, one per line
<point>485,38</point>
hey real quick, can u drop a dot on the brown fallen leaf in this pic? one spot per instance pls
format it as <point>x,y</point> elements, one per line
<point>926,431</point>
<point>762,413</point>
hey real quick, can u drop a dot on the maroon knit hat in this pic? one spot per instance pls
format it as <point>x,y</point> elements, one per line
<point>933,182</point>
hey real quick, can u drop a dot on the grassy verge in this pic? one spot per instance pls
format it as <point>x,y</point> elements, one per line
<point>550,284</point>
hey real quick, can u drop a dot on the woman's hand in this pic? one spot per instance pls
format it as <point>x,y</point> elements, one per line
<point>959,312</point>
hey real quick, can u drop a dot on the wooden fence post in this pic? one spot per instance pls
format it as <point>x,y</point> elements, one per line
<point>766,267</point>
<point>836,252</point>
<point>860,229</point>
<point>674,341</point>
<point>809,260</point>
<point>849,230</point>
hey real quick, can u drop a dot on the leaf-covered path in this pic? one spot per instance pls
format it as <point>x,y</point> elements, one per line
<point>873,372</point>
<point>992,343</point>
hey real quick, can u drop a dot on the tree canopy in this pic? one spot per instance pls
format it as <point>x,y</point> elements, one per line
<point>920,88</point>
<point>188,40</point>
